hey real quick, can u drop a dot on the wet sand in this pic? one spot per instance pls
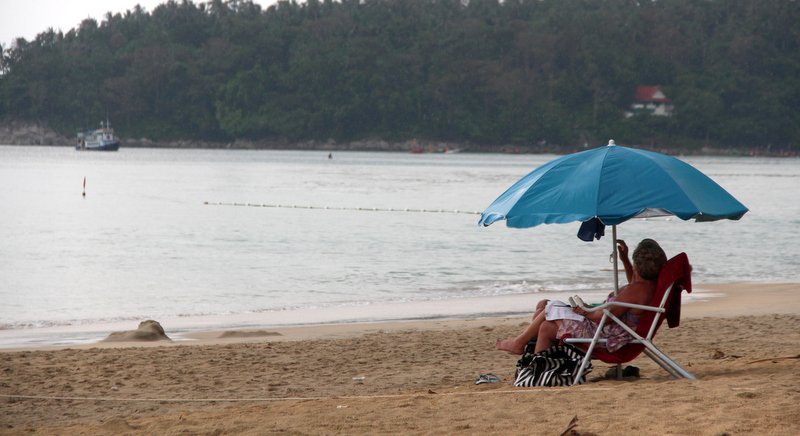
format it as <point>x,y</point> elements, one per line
<point>414,378</point>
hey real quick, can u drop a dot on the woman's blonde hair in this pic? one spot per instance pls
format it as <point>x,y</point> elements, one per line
<point>648,258</point>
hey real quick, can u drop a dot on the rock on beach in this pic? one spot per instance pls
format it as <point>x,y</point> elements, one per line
<point>147,331</point>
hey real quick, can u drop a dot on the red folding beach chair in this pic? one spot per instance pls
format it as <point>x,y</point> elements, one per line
<point>675,276</point>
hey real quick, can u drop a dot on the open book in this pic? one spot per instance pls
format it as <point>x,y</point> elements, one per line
<point>556,309</point>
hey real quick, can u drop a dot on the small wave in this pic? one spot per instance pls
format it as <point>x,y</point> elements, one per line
<point>33,325</point>
<point>496,289</point>
<point>200,314</point>
<point>39,324</point>
<point>757,175</point>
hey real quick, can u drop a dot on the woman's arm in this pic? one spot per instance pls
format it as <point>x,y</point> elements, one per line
<point>635,293</point>
<point>622,250</point>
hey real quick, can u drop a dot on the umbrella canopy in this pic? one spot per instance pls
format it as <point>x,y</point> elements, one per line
<point>614,184</point>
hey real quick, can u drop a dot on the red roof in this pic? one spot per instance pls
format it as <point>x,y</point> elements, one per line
<point>650,93</point>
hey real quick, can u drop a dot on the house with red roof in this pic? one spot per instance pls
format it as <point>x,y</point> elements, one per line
<point>650,100</point>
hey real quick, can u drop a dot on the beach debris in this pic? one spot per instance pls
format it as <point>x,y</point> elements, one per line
<point>148,330</point>
<point>570,430</point>
<point>775,359</point>
<point>487,378</point>
<point>247,334</point>
<point>342,406</point>
<point>359,379</point>
<point>720,355</point>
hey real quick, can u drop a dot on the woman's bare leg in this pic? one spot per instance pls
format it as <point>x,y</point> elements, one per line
<point>546,335</point>
<point>517,345</point>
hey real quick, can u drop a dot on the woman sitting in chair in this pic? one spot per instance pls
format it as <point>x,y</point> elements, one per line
<point>552,319</point>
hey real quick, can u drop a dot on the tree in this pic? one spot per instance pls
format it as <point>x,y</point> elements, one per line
<point>485,71</point>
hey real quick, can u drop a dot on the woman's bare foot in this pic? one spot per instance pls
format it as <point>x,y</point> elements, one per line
<point>509,345</point>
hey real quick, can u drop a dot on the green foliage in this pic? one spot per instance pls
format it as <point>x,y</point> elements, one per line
<point>481,71</point>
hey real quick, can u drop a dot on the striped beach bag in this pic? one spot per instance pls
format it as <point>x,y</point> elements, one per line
<point>555,366</point>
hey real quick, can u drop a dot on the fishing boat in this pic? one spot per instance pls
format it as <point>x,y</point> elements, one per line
<point>101,139</point>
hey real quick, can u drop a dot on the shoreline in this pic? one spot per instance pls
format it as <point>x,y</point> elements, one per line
<point>707,300</point>
<point>40,136</point>
<point>404,147</point>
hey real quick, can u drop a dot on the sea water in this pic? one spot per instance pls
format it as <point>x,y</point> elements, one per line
<point>149,240</point>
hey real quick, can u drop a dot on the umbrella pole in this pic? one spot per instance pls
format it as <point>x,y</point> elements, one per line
<point>614,256</point>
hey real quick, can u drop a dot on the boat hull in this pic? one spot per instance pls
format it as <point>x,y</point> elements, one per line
<point>110,146</point>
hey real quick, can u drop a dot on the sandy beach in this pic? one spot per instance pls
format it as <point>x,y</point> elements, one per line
<point>415,378</point>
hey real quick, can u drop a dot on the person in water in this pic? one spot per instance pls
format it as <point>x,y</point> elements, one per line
<point>550,321</point>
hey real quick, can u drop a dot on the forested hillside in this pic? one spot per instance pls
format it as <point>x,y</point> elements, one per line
<point>478,71</point>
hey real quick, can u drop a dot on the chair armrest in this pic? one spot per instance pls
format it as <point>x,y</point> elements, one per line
<point>583,340</point>
<point>576,301</point>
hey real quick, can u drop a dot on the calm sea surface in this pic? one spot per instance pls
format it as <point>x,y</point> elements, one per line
<point>143,244</point>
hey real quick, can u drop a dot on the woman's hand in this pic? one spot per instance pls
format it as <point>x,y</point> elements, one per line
<point>622,249</point>
<point>591,316</point>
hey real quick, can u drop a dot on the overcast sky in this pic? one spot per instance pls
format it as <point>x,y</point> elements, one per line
<point>27,18</point>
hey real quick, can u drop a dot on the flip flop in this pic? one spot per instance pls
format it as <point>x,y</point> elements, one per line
<point>487,378</point>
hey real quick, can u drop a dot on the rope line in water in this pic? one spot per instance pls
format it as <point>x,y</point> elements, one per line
<point>359,209</point>
<point>239,400</point>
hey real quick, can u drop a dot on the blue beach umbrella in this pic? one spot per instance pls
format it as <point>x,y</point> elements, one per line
<point>612,184</point>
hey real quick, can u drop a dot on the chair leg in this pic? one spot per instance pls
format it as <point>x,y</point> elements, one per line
<point>674,367</point>
<point>661,363</point>
<point>584,362</point>
<point>588,356</point>
<point>618,371</point>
